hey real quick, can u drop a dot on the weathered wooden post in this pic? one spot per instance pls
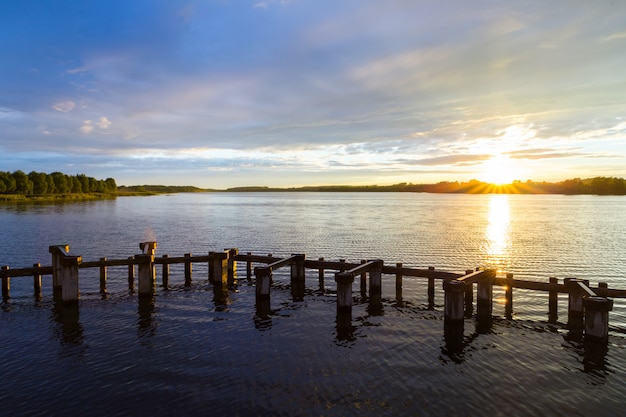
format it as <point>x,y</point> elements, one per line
<point>219,268</point>
<point>602,290</point>
<point>553,302</point>
<point>508,297</point>
<point>263,276</point>
<point>57,251</point>
<point>103,276</point>
<point>597,318</point>
<point>344,292</point>
<point>454,296</point>
<point>6,284</point>
<point>188,270</point>
<point>166,272</point>
<point>131,274</point>
<point>364,281</point>
<point>320,276</point>
<point>431,288</point>
<point>469,295</point>
<point>37,281</point>
<point>249,268</point>
<point>484,295</point>
<point>69,278</point>
<point>399,284</point>
<point>232,264</point>
<point>376,274</point>
<point>146,269</point>
<point>575,308</point>
<point>298,277</point>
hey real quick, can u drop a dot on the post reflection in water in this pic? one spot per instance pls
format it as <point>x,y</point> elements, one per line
<point>146,325</point>
<point>70,331</point>
<point>498,242</point>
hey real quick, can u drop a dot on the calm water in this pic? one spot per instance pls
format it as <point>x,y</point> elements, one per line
<point>192,351</point>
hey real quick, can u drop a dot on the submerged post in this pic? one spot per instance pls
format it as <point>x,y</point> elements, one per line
<point>469,295</point>
<point>298,277</point>
<point>320,276</point>
<point>103,276</point>
<point>575,309</point>
<point>263,276</point>
<point>131,274</point>
<point>69,278</point>
<point>146,274</point>
<point>219,267</point>
<point>484,295</point>
<point>57,251</point>
<point>376,274</point>
<point>188,270</point>
<point>508,296</point>
<point>166,272</point>
<point>454,296</point>
<point>364,281</point>
<point>37,281</point>
<point>553,302</point>
<point>6,284</point>
<point>597,318</point>
<point>399,284</point>
<point>249,268</point>
<point>232,264</point>
<point>344,292</point>
<point>431,288</point>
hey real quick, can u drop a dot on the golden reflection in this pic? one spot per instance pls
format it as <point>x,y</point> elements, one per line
<point>497,234</point>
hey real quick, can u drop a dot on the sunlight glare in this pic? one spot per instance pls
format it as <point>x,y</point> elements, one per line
<point>499,170</point>
<point>498,228</point>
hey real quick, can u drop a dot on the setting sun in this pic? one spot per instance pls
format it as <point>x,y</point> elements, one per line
<point>499,170</point>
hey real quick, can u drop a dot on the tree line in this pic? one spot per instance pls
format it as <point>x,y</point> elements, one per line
<point>40,183</point>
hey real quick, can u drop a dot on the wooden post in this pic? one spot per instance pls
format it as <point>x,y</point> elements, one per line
<point>219,268</point>
<point>232,264</point>
<point>602,289</point>
<point>453,302</point>
<point>166,272</point>
<point>69,279</point>
<point>431,288</point>
<point>57,251</point>
<point>249,268</point>
<point>364,281</point>
<point>553,302</point>
<point>320,276</point>
<point>6,284</point>
<point>344,292</point>
<point>263,276</point>
<point>298,277</point>
<point>37,281</point>
<point>469,295</point>
<point>376,276</point>
<point>399,284</point>
<point>131,274</point>
<point>575,308</point>
<point>508,297</point>
<point>597,318</point>
<point>484,298</point>
<point>188,270</point>
<point>103,276</point>
<point>146,276</point>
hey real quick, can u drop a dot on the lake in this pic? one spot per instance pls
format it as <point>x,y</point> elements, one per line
<point>192,351</point>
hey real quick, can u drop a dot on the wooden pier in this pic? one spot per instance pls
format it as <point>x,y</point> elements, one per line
<point>588,307</point>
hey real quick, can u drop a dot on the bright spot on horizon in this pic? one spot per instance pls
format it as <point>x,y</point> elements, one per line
<point>500,170</point>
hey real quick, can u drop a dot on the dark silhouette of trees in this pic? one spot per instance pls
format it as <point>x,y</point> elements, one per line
<point>39,183</point>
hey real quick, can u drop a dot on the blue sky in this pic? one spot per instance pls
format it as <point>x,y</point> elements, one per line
<point>288,93</point>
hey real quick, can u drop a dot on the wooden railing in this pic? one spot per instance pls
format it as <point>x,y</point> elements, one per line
<point>585,303</point>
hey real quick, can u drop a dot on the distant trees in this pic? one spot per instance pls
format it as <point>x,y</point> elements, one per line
<point>39,183</point>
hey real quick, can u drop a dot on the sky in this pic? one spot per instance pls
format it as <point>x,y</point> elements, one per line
<point>221,94</point>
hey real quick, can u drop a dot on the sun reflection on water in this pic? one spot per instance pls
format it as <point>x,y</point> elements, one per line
<point>498,241</point>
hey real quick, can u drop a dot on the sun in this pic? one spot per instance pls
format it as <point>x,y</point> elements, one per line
<point>499,170</point>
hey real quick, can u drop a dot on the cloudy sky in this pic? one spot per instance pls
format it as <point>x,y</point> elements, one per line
<point>218,93</point>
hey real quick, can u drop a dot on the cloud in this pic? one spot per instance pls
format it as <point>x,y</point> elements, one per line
<point>103,123</point>
<point>64,106</point>
<point>87,127</point>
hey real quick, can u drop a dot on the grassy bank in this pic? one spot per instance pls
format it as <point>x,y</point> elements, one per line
<point>54,198</point>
